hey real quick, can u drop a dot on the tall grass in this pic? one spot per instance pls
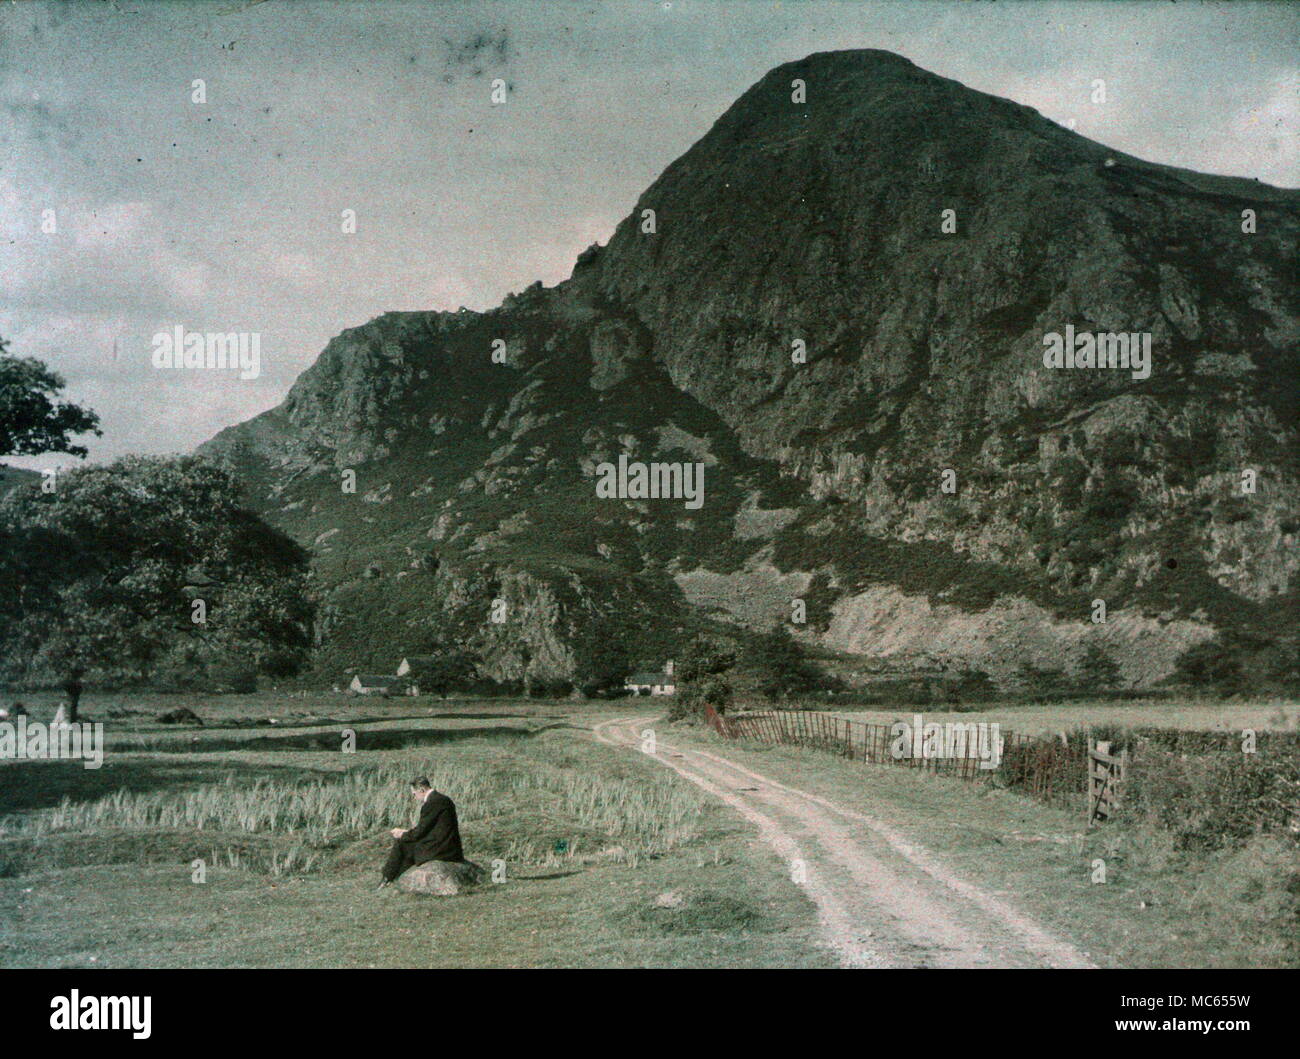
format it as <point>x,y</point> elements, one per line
<point>518,806</point>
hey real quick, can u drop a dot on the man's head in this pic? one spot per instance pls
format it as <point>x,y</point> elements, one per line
<point>420,787</point>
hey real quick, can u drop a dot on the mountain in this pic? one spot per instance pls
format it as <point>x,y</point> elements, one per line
<point>931,489</point>
<point>12,477</point>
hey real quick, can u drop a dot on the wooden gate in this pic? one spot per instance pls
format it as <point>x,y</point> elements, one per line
<point>1105,781</point>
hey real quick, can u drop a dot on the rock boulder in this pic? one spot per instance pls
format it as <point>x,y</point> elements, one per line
<point>442,878</point>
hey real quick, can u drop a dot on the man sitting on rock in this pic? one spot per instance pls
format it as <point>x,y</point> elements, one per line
<point>435,836</point>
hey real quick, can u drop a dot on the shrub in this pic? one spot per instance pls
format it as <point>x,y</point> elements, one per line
<point>1217,798</point>
<point>778,664</point>
<point>699,678</point>
<point>1212,666</point>
<point>1096,670</point>
<point>713,690</point>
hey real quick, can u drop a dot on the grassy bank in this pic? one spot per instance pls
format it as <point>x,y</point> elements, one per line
<point>1159,906</point>
<point>98,867</point>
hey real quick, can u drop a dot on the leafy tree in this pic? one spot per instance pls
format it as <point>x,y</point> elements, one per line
<point>1213,665</point>
<point>967,685</point>
<point>1096,669</point>
<point>600,659</point>
<point>780,669</point>
<point>1041,681</point>
<point>704,657</point>
<point>447,669</point>
<point>32,421</point>
<point>105,576</point>
<point>701,679</point>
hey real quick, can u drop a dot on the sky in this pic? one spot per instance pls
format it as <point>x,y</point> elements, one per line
<point>226,214</point>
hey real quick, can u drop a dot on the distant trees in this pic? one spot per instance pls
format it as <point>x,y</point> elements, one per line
<point>1096,670</point>
<point>966,685</point>
<point>1042,680</point>
<point>702,678</point>
<point>451,668</point>
<point>32,421</point>
<point>144,567</point>
<point>1239,662</point>
<point>1211,665</point>
<point>778,665</point>
<point>600,659</point>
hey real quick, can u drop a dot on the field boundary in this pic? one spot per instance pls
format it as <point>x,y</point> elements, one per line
<point>1051,769</point>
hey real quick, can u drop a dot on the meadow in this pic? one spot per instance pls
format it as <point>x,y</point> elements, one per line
<point>255,840</point>
<point>250,843</point>
<point>1174,881</point>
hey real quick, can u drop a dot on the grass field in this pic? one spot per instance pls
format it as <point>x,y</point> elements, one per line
<point>1158,907</point>
<point>97,866</point>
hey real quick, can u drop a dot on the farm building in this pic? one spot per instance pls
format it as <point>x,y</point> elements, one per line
<point>363,684</point>
<point>412,664</point>
<point>412,668</point>
<point>652,683</point>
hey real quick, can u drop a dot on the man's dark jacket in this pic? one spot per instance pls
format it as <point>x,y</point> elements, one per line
<point>436,835</point>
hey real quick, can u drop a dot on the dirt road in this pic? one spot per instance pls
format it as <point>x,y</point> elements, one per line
<point>884,901</point>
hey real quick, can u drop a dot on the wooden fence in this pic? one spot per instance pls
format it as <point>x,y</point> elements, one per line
<point>855,740</point>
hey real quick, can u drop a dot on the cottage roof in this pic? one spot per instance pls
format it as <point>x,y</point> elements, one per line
<point>648,677</point>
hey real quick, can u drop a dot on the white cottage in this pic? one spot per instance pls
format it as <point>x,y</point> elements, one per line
<point>375,685</point>
<point>652,683</point>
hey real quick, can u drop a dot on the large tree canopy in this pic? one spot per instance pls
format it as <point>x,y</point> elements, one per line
<point>107,572</point>
<point>31,421</point>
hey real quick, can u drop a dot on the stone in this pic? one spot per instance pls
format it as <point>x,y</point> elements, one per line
<point>441,878</point>
<point>181,715</point>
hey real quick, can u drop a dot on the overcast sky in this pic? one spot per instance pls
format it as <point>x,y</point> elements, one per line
<point>225,215</point>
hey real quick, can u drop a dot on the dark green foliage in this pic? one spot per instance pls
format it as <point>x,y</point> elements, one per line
<point>968,686</point>
<point>1044,681</point>
<point>1217,798</point>
<point>702,657</point>
<point>1242,661</point>
<point>600,659</point>
<point>32,421</point>
<point>451,668</point>
<point>1047,769</point>
<point>102,575</point>
<point>1096,670</point>
<point>819,598</point>
<point>1203,787</point>
<point>778,666</point>
<point>701,678</point>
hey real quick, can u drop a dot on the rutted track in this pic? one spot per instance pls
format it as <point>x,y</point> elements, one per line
<point>883,900</point>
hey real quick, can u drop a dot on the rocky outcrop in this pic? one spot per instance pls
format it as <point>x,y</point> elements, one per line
<point>839,307</point>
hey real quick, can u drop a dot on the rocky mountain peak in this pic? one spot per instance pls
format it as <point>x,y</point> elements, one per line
<point>841,296</point>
